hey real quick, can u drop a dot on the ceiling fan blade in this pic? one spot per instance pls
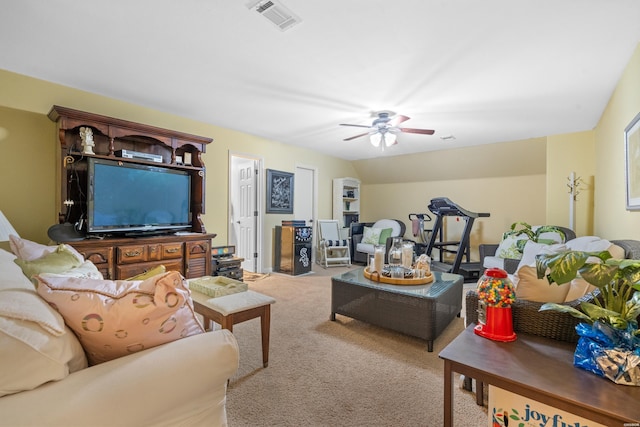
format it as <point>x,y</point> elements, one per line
<point>357,126</point>
<point>357,136</point>
<point>421,131</point>
<point>396,120</point>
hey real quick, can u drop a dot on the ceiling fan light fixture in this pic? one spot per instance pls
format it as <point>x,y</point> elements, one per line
<point>389,139</point>
<point>376,139</point>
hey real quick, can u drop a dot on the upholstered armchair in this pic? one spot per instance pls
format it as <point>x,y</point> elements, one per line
<point>361,250</point>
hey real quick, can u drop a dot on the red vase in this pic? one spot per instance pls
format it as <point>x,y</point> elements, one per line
<point>498,326</point>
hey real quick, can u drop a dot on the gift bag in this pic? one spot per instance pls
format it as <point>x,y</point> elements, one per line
<point>608,352</point>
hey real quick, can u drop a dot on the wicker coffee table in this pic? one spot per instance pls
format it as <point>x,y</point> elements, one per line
<point>422,311</point>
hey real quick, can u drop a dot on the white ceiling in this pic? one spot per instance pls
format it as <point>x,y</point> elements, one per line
<point>484,71</point>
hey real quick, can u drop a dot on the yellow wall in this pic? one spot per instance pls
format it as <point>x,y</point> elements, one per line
<point>506,180</point>
<point>480,195</point>
<point>565,154</point>
<point>611,217</point>
<point>28,172</point>
<point>28,160</point>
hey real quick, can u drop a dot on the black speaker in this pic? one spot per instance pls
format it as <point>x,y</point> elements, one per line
<point>66,232</point>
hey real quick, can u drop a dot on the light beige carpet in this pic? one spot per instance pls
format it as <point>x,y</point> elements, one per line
<point>342,373</point>
<point>248,276</point>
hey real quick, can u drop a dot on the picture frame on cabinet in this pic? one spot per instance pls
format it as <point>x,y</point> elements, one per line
<point>632,163</point>
<point>279,192</point>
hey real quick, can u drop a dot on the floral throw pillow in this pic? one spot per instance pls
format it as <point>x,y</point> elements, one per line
<point>371,235</point>
<point>508,248</point>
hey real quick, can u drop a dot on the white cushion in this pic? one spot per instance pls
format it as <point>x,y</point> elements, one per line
<point>29,251</point>
<point>493,262</point>
<point>241,301</point>
<point>588,244</point>
<point>367,248</point>
<point>35,345</point>
<point>531,249</point>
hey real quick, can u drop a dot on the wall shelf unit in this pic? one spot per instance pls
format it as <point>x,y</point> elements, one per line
<point>346,201</point>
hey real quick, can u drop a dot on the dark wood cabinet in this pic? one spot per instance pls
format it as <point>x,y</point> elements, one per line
<point>122,257</point>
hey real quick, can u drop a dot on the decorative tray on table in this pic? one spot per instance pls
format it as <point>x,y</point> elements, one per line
<point>408,280</point>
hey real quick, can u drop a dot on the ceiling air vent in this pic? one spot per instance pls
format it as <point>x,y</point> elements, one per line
<point>275,12</point>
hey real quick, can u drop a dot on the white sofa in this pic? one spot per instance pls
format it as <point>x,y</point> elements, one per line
<point>45,380</point>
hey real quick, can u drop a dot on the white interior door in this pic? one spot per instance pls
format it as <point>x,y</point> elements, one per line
<point>243,210</point>
<point>305,197</point>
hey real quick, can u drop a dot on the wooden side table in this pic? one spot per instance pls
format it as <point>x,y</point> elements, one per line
<point>540,369</point>
<point>231,309</point>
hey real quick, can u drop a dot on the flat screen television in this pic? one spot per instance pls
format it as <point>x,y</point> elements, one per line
<point>133,198</point>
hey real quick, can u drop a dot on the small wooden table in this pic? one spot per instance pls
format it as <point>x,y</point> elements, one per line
<point>236,308</point>
<point>540,369</point>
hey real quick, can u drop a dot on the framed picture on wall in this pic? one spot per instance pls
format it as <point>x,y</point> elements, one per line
<point>632,160</point>
<point>279,192</point>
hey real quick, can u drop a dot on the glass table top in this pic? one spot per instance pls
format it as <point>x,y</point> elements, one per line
<point>441,283</point>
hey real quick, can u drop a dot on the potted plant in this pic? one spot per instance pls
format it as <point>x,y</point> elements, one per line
<point>609,343</point>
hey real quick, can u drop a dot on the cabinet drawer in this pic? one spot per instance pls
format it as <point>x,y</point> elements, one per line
<point>133,253</point>
<point>199,249</point>
<point>171,250</point>
<point>98,255</point>
<point>126,271</point>
<point>154,252</point>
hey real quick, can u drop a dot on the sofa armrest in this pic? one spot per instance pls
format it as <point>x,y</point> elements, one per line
<point>162,386</point>
<point>631,248</point>
<point>486,249</point>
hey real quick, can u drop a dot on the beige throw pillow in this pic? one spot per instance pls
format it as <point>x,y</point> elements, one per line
<point>530,288</point>
<point>116,318</point>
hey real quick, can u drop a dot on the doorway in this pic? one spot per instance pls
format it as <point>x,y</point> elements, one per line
<point>245,217</point>
<point>305,191</point>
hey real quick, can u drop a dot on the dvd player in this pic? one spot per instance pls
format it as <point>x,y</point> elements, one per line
<point>128,154</point>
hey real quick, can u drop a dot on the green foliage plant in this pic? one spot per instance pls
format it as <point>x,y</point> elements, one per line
<point>617,301</point>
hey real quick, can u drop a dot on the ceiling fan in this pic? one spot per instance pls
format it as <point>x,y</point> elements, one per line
<point>384,128</point>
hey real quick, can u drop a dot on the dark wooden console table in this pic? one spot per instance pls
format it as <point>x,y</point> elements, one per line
<point>540,369</point>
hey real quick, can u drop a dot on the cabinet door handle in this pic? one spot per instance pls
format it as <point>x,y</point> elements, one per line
<point>133,253</point>
<point>173,250</point>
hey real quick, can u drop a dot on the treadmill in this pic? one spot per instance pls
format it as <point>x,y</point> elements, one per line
<point>441,207</point>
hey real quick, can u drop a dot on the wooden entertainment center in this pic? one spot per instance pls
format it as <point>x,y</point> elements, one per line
<point>119,257</point>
